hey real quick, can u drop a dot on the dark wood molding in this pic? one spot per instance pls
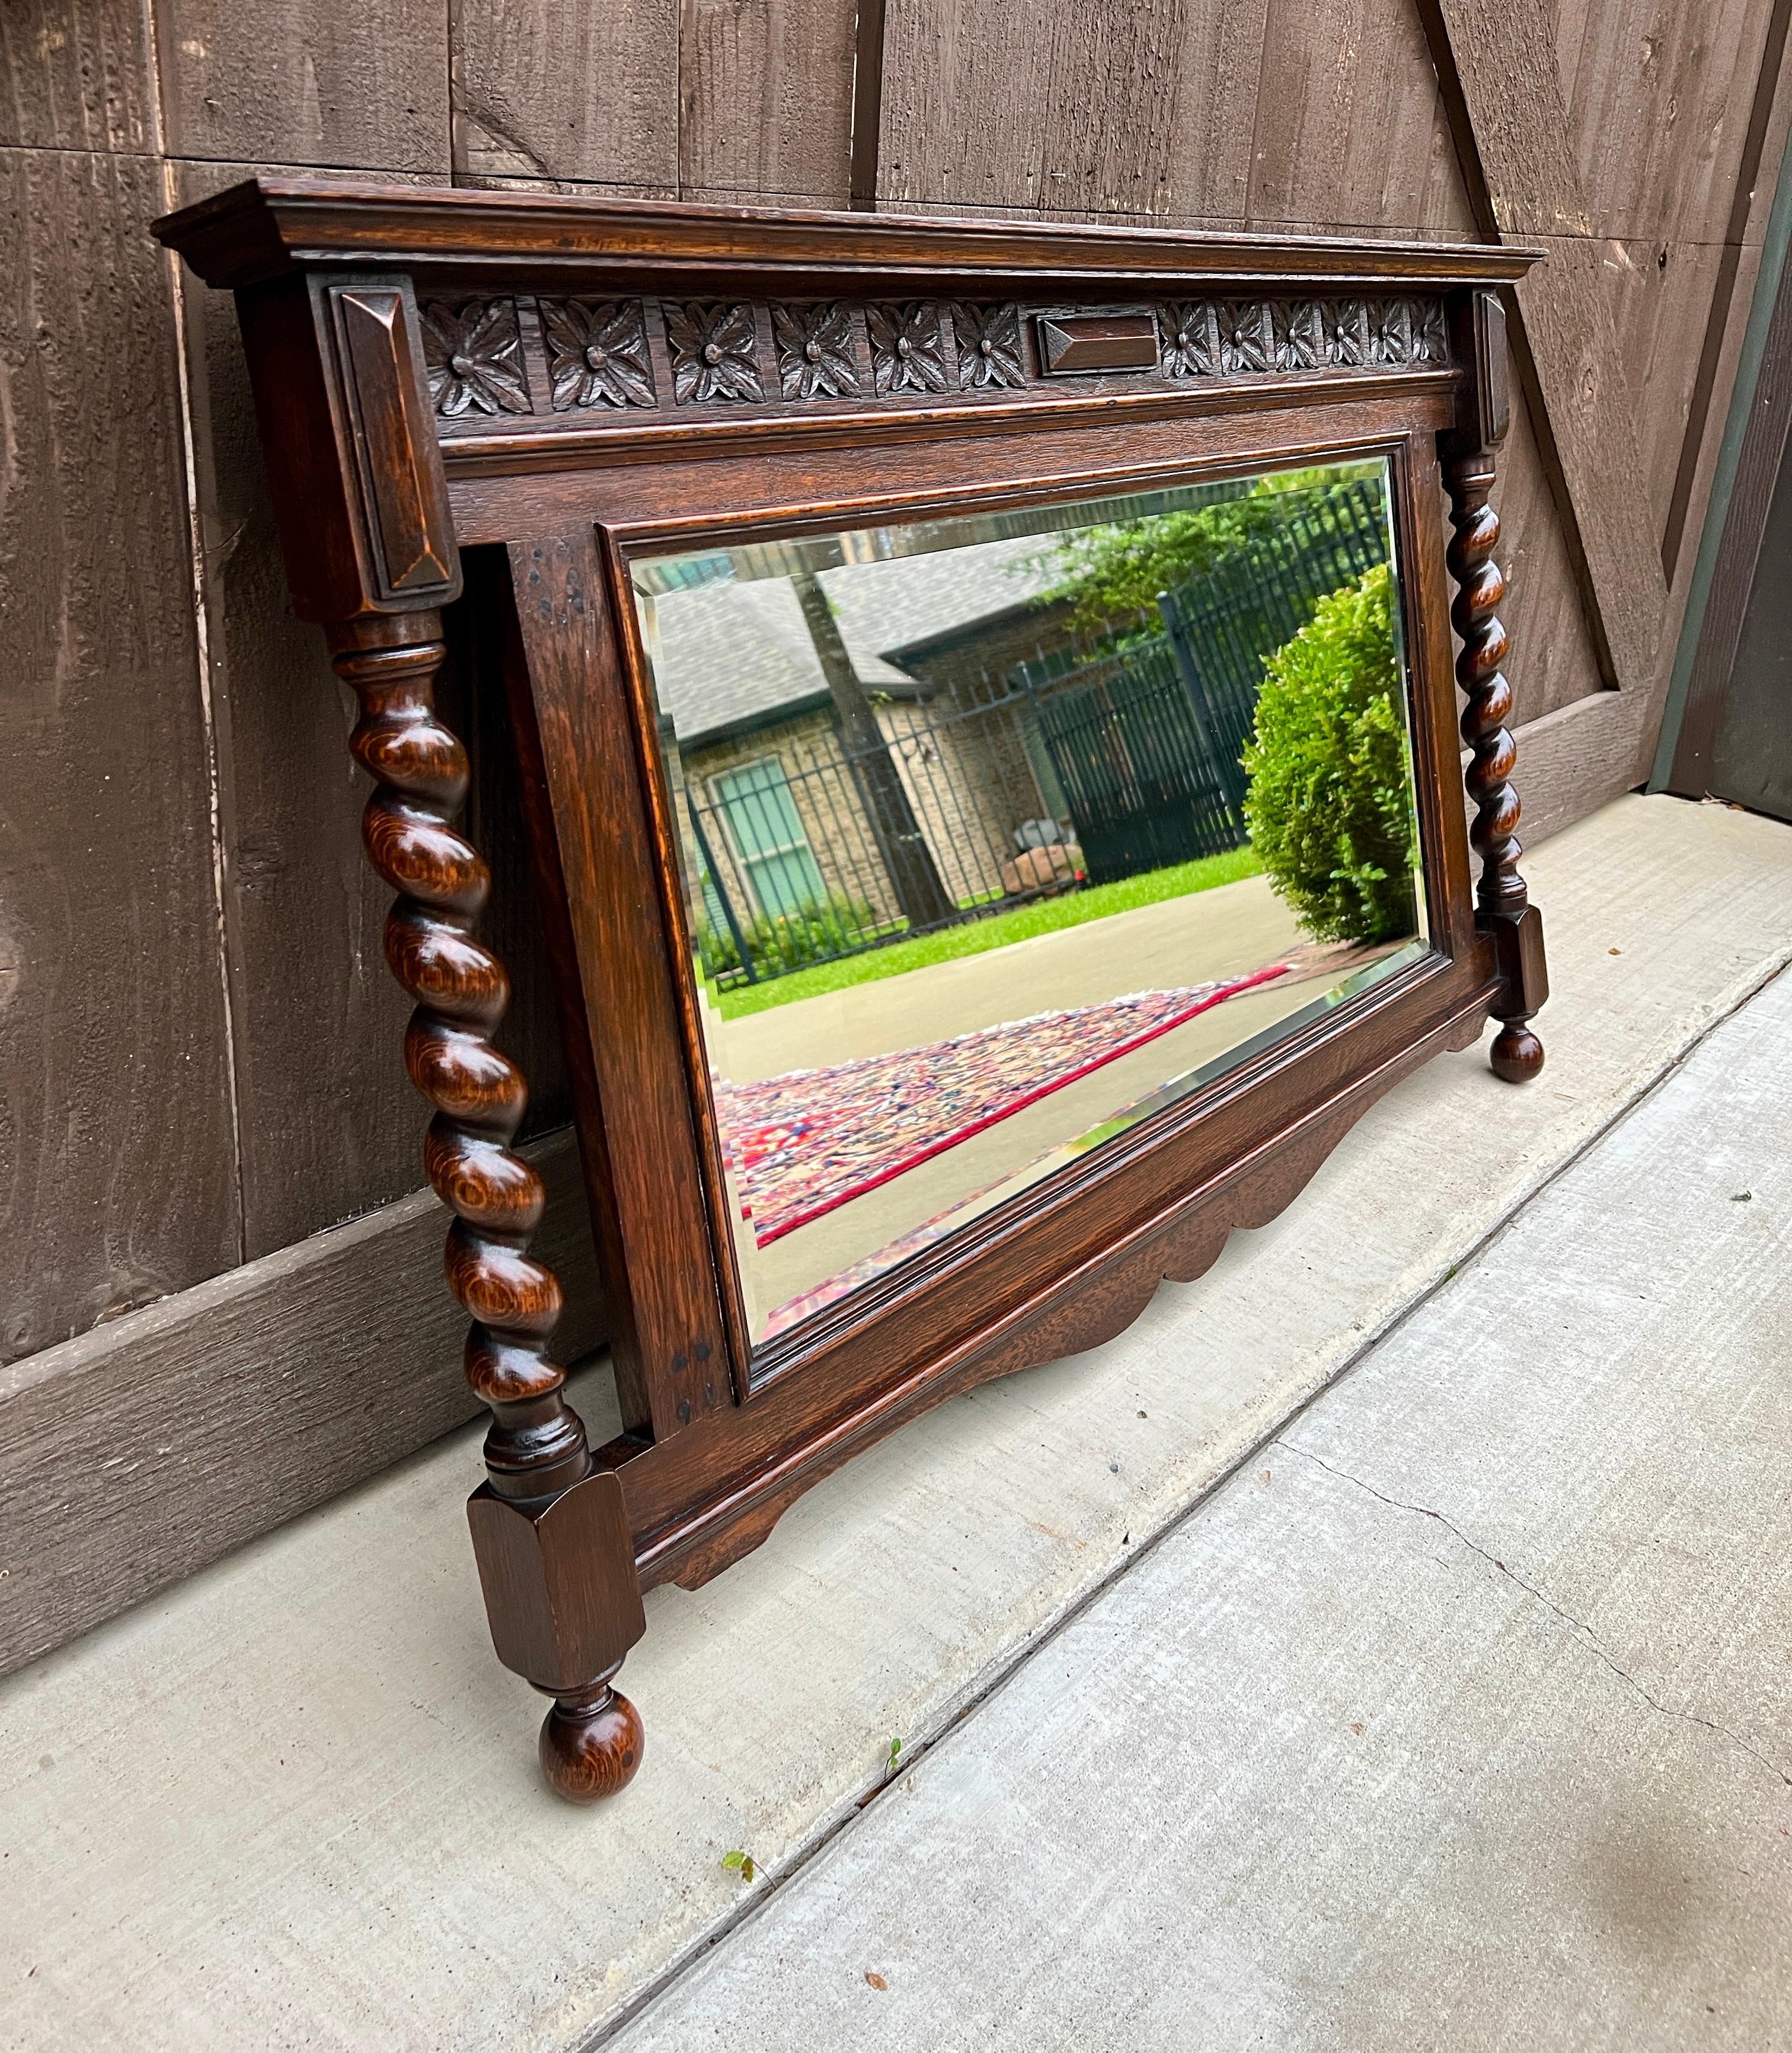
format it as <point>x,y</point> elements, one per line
<point>267,228</point>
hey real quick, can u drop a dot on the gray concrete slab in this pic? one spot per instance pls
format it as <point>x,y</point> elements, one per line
<point>1461,1718</point>
<point>293,1803</point>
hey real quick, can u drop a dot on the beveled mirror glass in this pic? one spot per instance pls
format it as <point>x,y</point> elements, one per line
<point>1001,834</point>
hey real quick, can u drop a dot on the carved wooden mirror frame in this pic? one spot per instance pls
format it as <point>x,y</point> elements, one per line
<point>555,384</point>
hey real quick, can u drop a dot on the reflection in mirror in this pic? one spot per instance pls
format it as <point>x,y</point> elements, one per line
<point>1001,834</point>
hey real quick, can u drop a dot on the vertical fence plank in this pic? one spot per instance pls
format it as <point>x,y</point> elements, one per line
<point>116,1176</point>
<point>1658,104</point>
<point>766,100</point>
<point>351,83</point>
<point>564,91</point>
<point>1144,111</point>
<point>75,75</point>
<point>1349,134</point>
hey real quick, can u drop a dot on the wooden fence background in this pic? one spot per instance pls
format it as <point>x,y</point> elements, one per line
<point>198,1042</point>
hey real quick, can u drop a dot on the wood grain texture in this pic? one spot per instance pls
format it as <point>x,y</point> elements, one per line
<point>310,996</point>
<point>618,991</point>
<point>1662,294</point>
<point>764,100</point>
<point>1749,175</point>
<point>1570,356</point>
<point>1499,66</point>
<point>317,82</point>
<point>1145,112</point>
<point>1575,759</point>
<point>117,1179</point>
<point>1658,103</point>
<point>75,75</point>
<point>1350,127</point>
<point>1723,389</point>
<point>1498,76</point>
<point>242,1403</point>
<point>274,227</point>
<point>1554,661</point>
<point>559,89</point>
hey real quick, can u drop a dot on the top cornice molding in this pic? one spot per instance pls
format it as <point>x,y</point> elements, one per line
<point>266,228</point>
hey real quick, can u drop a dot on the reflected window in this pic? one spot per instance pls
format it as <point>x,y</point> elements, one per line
<point>1003,833</point>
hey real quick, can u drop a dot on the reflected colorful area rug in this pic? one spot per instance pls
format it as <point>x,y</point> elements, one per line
<point>800,1145</point>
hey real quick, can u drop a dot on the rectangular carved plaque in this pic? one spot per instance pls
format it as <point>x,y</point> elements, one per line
<point>1097,342</point>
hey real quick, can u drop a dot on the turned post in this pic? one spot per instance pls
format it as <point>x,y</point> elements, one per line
<point>343,394</point>
<point>1503,905</point>
<point>536,1454</point>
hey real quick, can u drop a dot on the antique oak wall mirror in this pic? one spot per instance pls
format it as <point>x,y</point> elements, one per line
<point>985,709</point>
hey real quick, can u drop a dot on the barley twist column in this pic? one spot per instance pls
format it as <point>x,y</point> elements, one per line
<point>1517,1053</point>
<point>535,1448</point>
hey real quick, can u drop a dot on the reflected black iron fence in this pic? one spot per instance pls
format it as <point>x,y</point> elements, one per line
<point>802,859</point>
<point>1146,725</point>
<point>1099,758</point>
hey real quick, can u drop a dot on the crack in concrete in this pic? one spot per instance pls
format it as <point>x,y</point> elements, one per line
<point>1580,1630</point>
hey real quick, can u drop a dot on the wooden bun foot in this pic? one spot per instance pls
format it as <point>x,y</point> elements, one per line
<point>1517,1053</point>
<point>591,1745</point>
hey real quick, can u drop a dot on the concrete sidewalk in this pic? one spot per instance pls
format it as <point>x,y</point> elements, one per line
<point>293,1803</point>
<point>1460,1717</point>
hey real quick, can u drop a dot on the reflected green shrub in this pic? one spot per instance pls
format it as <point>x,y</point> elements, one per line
<point>1329,804</point>
<point>811,933</point>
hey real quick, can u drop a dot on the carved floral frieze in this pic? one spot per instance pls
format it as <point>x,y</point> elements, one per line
<point>598,353</point>
<point>604,355</point>
<point>1232,338</point>
<point>472,355</point>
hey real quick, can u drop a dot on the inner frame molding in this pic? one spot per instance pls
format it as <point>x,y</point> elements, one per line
<point>481,413</point>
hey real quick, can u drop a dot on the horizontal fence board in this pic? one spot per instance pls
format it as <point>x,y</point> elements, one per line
<point>1577,758</point>
<point>141,1451</point>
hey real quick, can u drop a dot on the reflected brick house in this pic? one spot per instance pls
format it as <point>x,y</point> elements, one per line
<point>767,786</point>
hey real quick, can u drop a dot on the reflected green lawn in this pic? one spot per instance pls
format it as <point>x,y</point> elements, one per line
<point>1043,915</point>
